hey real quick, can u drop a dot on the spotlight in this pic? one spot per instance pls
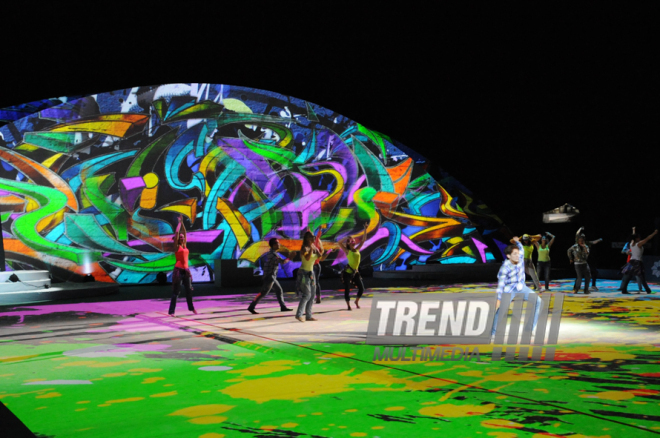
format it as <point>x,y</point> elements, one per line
<point>14,278</point>
<point>88,278</point>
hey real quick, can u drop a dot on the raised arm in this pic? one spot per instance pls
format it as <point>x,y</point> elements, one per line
<point>318,242</point>
<point>362,239</point>
<point>593,242</point>
<point>649,237</point>
<point>325,256</point>
<point>552,240</point>
<point>177,233</point>
<point>579,232</point>
<point>535,238</point>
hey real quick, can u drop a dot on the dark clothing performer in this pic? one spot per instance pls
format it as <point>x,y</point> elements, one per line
<point>636,266</point>
<point>181,272</point>
<point>578,255</point>
<point>352,278</point>
<point>270,280</point>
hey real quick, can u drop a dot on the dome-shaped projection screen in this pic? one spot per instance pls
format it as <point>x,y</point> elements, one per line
<point>94,185</point>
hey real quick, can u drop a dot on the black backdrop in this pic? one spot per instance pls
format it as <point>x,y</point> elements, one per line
<point>529,108</point>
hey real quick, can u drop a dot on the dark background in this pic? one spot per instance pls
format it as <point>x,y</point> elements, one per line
<point>529,108</point>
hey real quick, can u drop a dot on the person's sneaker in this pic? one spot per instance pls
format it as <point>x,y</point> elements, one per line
<point>650,292</point>
<point>318,300</point>
<point>311,319</point>
<point>299,318</point>
<point>625,292</point>
<point>285,309</point>
<point>593,288</point>
<point>252,311</point>
<point>586,292</point>
<point>194,311</point>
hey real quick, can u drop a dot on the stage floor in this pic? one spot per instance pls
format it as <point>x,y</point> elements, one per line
<point>127,369</point>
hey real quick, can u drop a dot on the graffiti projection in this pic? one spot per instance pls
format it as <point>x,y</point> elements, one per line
<point>94,185</point>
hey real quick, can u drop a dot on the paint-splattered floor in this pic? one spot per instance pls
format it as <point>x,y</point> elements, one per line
<point>127,369</point>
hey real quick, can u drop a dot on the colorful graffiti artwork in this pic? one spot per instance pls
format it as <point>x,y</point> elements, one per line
<point>94,185</point>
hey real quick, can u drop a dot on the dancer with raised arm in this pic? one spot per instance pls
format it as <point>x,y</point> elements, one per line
<point>626,251</point>
<point>527,242</point>
<point>181,272</point>
<point>271,266</point>
<point>511,280</point>
<point>351,274</point>
<point>592,260</point>
<point>309,253</point>
<point>317,264</point>
<point>636,266</point>
<point>578,254</point>
<point>543,250</point>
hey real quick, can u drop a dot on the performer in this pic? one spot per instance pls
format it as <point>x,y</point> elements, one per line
<point>271,266</point>
<point>309,253</point>
<point>181,273</point>
<point>543,250</point>
<point>351,273</point>
<point>592,261</point>
<point>578,255</point>
<point>317,265</point>
<point>636,266</point>
<point>527,242</point>
<point>511,279</point>
<point>627,252</point>
<point>317,268</point>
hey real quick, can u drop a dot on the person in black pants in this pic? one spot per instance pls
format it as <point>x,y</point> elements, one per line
<point>592,260</point>
<point>635,266</point>
<point>351,274</point>
<point>543,250</point>
<point>317,265</point>
<point>271,266</point>
<point>181,272</point>
<point>578,255</point>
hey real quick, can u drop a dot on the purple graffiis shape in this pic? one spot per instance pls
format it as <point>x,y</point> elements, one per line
<point>130,190</point>
<point>136,182</point>
<point>256,167</point>
<point>501,246</point>
<point>481,247</point>
<point>4,193</point>
<point>59,114</point>
<point>304,183</point>
<point>309,206</point>
<point>412,246</point>
<point>291,224</point>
